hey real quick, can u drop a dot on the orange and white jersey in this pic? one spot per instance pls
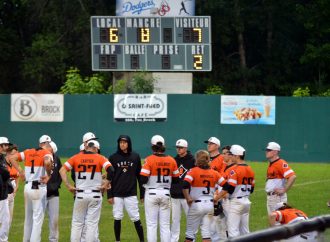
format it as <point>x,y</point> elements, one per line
<point>202,182</point>
<point>160,169</point>
<point>277,173</point>
<point>289,215</point>
<point>34,163</point>
<point>226,173</point>
<point>242,178</point>
<point>217,163</point>
<point>88,169</point>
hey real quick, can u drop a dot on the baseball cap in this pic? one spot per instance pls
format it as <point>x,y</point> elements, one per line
<point>237,150</point>
<point>54,146</point>
<point>82,147</point>
<point>89,136</point>
<point>279,205</point>
<point>93,143</point>
<point>44,138</point>
<point>273,146</point>
<point>4,140</point>
<point>181,143</point>
<point>213,140</point>
<point>157,139</point>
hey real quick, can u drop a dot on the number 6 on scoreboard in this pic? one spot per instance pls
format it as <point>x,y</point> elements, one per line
<point>198,62</point>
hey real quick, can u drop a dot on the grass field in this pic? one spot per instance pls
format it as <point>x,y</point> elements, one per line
<point>310,193</point>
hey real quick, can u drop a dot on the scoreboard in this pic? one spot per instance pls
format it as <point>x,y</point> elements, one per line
<point>151,43</point>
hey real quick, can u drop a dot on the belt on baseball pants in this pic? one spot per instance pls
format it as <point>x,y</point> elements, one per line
<point>34,182</point>
<point>198,201</point>
<point>88,190</point>
<point>271,193</point>
<point>303,237</point>
<point>166,188</point>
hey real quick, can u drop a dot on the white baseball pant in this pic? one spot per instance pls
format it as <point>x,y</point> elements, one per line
<point>273,199</point>
<point>131,205</point>
<point>86,215</point>
<point>4,220</point>
<point>52,207</point>
<point>178,204</point>
<point>35,202</point>
<point>198,214</point>
<point>157,207</point>
<point>238,217</point>
<point>218,228</point>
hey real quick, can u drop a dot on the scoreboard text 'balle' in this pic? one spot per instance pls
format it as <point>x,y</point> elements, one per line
<point>151,43</point>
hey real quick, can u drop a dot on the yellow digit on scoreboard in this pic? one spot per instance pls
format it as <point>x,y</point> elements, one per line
<point>145,35</point>
<point>198,34</point>
<point>113,35</point>
<point>198,62</point>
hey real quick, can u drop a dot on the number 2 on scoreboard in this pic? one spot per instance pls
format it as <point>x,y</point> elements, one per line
<point>198,62</point>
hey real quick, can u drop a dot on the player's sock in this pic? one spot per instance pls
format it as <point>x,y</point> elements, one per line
<point>139,230</point>
<point>117,227</point>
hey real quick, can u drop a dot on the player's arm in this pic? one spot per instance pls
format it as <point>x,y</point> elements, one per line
<point>226,189</point>
<point>288,185</point>
<point>185,191</point>
<point>13,159</point>
<point>138,177</point>
<point>65,180</point>
<point>272,219</point>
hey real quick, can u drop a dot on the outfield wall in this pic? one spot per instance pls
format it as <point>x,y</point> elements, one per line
<point>302,126</point>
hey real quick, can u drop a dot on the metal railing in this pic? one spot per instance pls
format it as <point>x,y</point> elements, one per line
<point>320,224</point>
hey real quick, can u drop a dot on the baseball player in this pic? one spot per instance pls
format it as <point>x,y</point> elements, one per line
<point>285,214</point>
<point>217,162</point>
<point>87,205</point>
<point>123,192</point>
<point>201,181</point>
<point>38,166</point>
<point>4,179</point>
<point>240,185</point>
<point>280,177</point>
<point>52,201</point>
<point>13,149</point>
<point>185,161</point>
<point>157,173</point>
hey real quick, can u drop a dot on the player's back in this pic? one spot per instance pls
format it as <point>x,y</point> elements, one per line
<point>160,169</point>
<point>202,182</point>
<point>34,163</point>
<point>88,169</point>
<point>243,179</point>
<point>291,215</point>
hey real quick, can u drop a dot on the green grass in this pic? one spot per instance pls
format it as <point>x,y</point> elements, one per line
<point>310,193</point>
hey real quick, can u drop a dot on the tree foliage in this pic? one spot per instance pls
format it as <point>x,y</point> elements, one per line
<point>259,47</point>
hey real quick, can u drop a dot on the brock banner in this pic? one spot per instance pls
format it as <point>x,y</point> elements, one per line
<point>140,107</point>
<point>37,107</point>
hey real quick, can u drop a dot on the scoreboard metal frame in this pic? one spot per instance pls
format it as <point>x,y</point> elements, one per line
<point>151,43</point>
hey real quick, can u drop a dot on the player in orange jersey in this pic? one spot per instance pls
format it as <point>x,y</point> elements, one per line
<point>89,187</point>
<point>157,174</point>
<point>13,149</point>
<point>240,185</point>
<point>37,171</point>
<point>280,177</point>
<point>217,162</point>
<point>201,181</point>
<point>285,214</point>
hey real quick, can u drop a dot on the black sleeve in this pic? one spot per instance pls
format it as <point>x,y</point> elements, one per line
<point>59,165</point>
<point>252,190</point>
<point>110,173</point>
<point>229,188</point>
<point>144,179</point>
<point>73,175</point>
<point>175,180</point>
<point>137,173</point>
<point>185,185</point>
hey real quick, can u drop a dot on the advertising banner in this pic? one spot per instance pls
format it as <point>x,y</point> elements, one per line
<point>164,8</point>
<point>247,110</point>
<point>37,107</point>
<point>140,107</point>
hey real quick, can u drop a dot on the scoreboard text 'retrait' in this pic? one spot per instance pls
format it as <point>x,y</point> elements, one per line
<point>151,43</point>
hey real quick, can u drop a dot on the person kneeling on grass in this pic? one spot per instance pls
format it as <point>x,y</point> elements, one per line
<point>285,214</point>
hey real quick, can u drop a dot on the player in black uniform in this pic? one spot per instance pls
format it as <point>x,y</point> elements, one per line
<point>185,161</point>
<point>123,192</point>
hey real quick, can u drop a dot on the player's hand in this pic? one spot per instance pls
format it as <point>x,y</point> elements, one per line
<point>279,191</point>
<point>22,175</point>
<point>105,185</point>
<point>111,200</point>
<point>142,200</point>
<point>71,188</point>
<point>44,179</point>
<point>189,201</point>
